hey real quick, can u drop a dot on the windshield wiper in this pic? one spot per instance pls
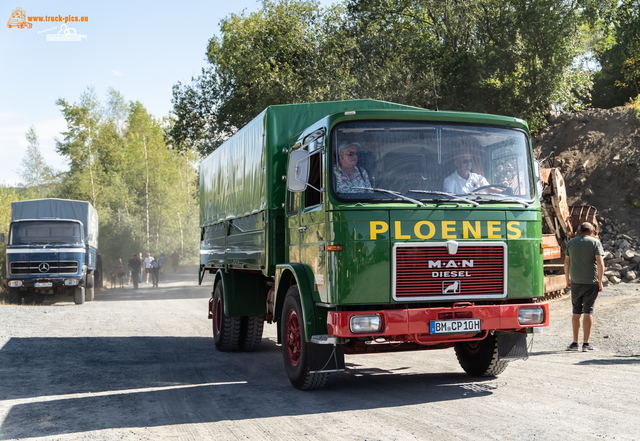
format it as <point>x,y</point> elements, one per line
<point>392,193</point>
<point>503,198</point>
<point>451,196</point>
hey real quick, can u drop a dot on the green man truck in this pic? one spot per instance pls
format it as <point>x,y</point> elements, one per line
<point>365,226</point>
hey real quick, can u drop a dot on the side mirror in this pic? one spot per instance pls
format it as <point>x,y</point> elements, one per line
<point>90,236</point>
<point>298,173</point>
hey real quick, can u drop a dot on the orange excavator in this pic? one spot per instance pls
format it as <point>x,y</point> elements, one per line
<point>560,224</point>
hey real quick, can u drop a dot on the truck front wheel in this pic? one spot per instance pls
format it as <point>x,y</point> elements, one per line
<point>226,330</point>
<point>295,349</point>
<point>78,295</point>
<point>480,358</point>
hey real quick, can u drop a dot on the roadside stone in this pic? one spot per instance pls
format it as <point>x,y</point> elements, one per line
<point>636,259</point>
<point>588,192</point>
<point>615,267</point>
<point>611,274</point>
<point>615,280</point>
<point>628,254</point>
<point>615,260</point>
<point>631,275</point>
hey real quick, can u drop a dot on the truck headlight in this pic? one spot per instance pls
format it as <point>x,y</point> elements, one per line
<point>71,282</point>
<point>15,283</point>
<point>360,324</point>
<point>531,315</point>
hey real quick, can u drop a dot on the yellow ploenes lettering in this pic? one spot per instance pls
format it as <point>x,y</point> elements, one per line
<point>398,232</point>
<point>467,228</point>
<point>418,230</point>
<point>377,227</point>
<point>448,229</point>
<point>514,227</point>
<point>493,230</point>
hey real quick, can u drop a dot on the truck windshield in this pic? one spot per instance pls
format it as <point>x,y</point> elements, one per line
<point>485,164</point>
<point>45,233</point>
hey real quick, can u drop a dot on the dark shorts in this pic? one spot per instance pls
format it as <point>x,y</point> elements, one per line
<point>583,296</point>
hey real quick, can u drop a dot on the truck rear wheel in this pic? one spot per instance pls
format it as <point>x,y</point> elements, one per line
<point>295,349</point>
<point>89,290</point>
<point>226,330</point>
<point>78,295</point>
<point>251,333</point>
<point>480,358</point>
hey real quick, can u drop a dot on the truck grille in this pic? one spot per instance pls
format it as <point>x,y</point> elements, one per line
<point>430,272</point>
<point>54,267</point>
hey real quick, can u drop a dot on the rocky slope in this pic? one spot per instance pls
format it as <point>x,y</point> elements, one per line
<point>598,154</point>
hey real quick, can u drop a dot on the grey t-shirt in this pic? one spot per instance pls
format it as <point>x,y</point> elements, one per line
<point>582,250</point>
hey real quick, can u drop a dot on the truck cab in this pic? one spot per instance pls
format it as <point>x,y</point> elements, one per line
<point>419,233</point>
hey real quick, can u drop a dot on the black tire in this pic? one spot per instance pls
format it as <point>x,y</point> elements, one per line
<point>295,349</point>
<point>89,290</point>
<point>78,295</point>
<point>251,333</point>
<point>14,297</point>
<point>480,358</point>
<point>226,330</point>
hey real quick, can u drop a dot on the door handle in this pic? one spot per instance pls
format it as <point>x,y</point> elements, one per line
<point>301,229</point>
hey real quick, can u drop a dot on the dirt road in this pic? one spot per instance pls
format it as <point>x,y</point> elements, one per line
<point>142,365</point>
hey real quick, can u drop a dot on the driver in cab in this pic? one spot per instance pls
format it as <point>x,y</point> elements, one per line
<point>463,180</point>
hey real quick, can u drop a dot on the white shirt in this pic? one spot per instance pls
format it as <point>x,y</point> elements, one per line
<point>456,184</point>
<point>147,262</point>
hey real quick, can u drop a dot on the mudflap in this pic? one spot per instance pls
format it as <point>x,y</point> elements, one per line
<point>325,358</point>
<point>512,346</point>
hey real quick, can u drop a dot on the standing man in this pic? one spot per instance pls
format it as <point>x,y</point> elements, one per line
<point>134,264</point>
<point>583,269</point>
<point>147,266</point>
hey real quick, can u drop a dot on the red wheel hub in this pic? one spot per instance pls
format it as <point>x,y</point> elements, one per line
<point>217,315</point>
<point>294,344</point>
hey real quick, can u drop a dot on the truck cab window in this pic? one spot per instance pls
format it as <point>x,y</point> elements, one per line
<point>312,196</point>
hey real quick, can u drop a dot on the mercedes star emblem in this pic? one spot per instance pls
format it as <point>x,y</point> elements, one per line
<point>44,267</point>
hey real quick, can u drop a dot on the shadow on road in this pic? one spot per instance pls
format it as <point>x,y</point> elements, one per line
<point>55,386</point>
<point>616,360</point>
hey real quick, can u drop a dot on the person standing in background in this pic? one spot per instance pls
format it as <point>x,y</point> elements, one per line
<point>583,269</point>
<point>175,258</point>
<point>147,265</point>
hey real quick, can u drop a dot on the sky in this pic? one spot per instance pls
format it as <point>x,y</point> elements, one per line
<point>139,48</point>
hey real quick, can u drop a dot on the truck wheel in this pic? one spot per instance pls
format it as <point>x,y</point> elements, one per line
<point>251,333</point>
<point>78,296</point>
<point>14,297</point>
<point>295,349</point>
<point>226,330</point>
<point>89,290</point>
<point>480,358</point>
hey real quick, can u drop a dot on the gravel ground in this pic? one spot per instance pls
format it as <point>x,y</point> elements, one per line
<point>141,365</point>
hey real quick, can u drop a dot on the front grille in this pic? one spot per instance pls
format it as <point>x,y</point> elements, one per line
<point>430,271</point>
<point>55,267</point>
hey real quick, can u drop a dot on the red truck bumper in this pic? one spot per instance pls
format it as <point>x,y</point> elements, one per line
<point>414,324</point>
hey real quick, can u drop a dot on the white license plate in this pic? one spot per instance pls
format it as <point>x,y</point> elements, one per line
<point>453,326</point>
<point>43,284</point>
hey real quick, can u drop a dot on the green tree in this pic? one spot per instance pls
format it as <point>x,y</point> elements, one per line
<point>34,170</point>
<point>287,52</point>
<point>144,192</point>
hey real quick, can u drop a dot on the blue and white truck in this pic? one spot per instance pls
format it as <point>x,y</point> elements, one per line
<point>52,249</point>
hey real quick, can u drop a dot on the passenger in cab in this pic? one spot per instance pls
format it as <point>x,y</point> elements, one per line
<point>348,174</point>
<point>463,180</point>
